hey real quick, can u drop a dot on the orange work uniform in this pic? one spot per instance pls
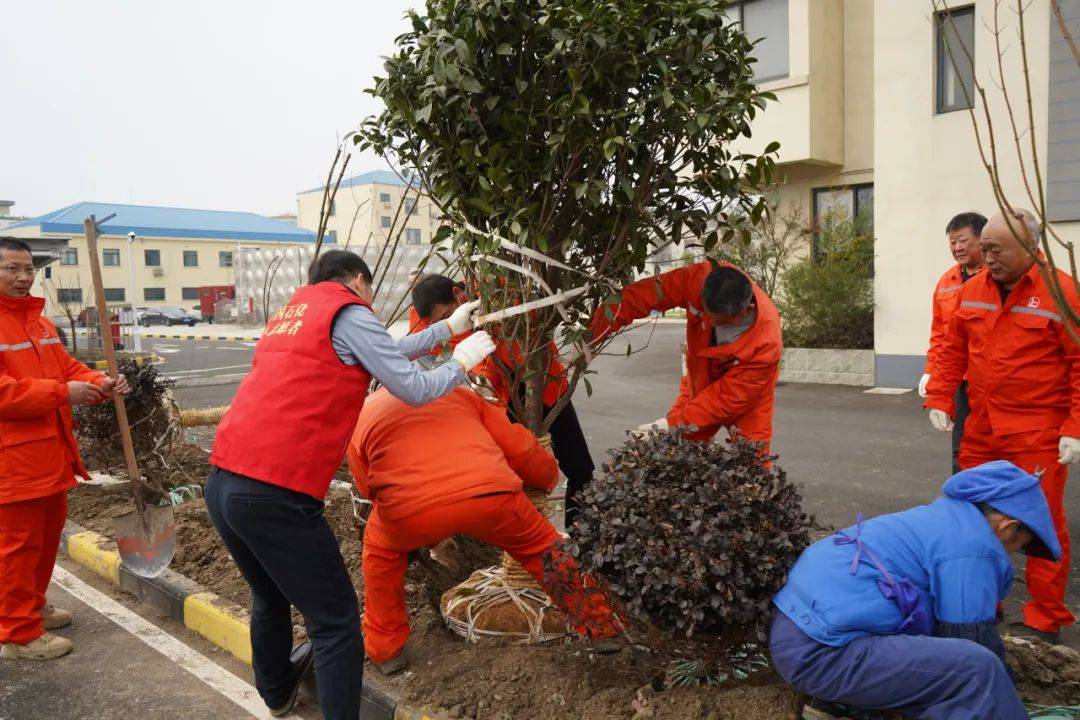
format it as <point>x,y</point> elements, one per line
<point>1023,374</point>
<point>730,385</point>
<point>39,460</point>
<point>454,466</point>
<point>945,301</point>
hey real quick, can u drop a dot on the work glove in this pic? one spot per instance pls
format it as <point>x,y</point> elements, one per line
<point>461,320</point>
<point>923,382</point>
<point>473,349</point>
<point>1069,450</point>
<point>940,420</point>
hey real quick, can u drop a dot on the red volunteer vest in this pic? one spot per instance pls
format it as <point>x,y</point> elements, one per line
<point>293,414</point>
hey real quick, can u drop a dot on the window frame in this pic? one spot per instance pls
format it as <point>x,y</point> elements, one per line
<point>192,253</point>
<point>386,222</point>
<point>737,6</point>
<point>855,209</point>
<point>189,293</point>
<point>222,254</point>
<point>943,62</point>
<point>106,253</point>
<point>69,252</point>
<point>384,198</point>
<point>114,299</point>
<point>62,292</point>
<point>413,232</point>
<point>146,290</point>
<point>146,257</point>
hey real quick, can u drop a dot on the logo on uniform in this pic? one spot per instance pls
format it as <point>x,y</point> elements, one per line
<point>1033,302</point>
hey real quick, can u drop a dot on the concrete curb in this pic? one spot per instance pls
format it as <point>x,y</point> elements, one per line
<point>219,621</point>
<point>237,338</point>
<point>140,360</point>
<point>207,380</point>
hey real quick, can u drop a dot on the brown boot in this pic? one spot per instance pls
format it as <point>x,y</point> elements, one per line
<point>46,647</point>
<point>53,618</point>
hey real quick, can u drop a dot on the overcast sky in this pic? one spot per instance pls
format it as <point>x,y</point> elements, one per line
<point>222,104</point>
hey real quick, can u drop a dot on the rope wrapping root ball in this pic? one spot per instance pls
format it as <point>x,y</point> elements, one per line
<point>505,602</point>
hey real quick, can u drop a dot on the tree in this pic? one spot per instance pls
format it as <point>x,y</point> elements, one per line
<point>782,234</point>
<point>70,309</point>
<point>567,143</point>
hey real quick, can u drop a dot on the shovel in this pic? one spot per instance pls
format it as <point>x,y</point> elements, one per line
<point>146,536</point>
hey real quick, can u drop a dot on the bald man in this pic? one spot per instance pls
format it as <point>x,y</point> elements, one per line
<point>1023,368</point>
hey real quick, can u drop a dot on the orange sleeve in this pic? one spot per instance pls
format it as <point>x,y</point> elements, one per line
<point>75,370</point>
<point>524,453</point>
<point>722,402</point>
<point>29,397</point>
<point>938,329</point>
<point>358,466</point>
<point>1071,427</point>
<point>663,292</point>
<point>950,366</point>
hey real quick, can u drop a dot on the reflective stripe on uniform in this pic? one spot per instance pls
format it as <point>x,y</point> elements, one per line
<point>49,341</point>
<point>21,346</point>
<point>693,311</point>
<point>1037,311</point>
<point>951,288</point>
<point>977,304</point>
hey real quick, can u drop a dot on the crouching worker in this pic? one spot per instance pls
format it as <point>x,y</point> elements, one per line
<point>454,466</point>
<point>898,613</point>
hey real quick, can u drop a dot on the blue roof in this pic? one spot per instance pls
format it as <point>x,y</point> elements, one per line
<point>170,222</point>
<point>375,177</point>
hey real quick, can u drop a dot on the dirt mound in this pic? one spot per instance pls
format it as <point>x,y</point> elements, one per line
<point>1046,674</point>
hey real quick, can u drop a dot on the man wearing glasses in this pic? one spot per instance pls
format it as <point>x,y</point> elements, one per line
<point>39,459</point>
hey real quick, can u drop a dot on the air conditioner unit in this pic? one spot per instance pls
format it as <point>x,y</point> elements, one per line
<point>159,272</point>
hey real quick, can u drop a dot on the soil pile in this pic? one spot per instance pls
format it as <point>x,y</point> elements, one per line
<point>1045,674</point>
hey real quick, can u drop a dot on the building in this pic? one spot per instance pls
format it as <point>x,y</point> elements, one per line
<point>7,219</point>
<point>370,209</point>
<point>175,251</point>
<point>871,116</point>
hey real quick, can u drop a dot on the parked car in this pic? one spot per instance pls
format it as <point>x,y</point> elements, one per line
<point>166,316</point>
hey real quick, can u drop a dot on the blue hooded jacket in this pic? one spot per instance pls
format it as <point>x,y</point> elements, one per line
<point>947,550</point>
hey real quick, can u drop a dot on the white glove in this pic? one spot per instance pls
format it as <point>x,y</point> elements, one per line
<point>940,420</point>
<point>461,320</point>
<point>923,381</point>
<point>1069,449</point>
<point>473,349</point>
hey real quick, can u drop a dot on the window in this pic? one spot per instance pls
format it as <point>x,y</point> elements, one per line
<point>331,237</point>
<point>191,258</point>
<point>65,296</point>
<point>152,258</point>
<point>69,256</point>
<point>412,236</point>
<point>114,295</point>
<point>224,258</point>
<point>110,258</point>
<point>385,221</point>
<point>844,203</point>
<point>384,198</point>
<point>410,205</point>
<point>955,46</point>
<point>189,293</point>
<point>153,293</point>
<point>766,20</point>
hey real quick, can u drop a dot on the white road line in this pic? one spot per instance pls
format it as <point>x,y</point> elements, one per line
<point>215,676</point>
<point>208,370</point>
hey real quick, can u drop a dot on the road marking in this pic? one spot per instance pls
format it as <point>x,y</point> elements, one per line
<point>208,370</point>
<point>215,676</point>
<point>166,350</point>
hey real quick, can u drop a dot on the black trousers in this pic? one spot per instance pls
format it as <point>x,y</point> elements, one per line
<point>963,409</point>
<point>287,553</point>
<point>571,451</point>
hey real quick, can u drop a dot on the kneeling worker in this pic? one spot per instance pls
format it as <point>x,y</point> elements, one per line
<point>899,613</point>
<point>454,466</point>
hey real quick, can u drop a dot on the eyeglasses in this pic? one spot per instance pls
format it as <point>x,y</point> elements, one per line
<point>27,270</point>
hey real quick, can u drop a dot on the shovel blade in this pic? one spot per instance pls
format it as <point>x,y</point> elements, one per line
<point>146,555</point>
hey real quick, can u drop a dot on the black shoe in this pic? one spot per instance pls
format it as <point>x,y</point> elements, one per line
<point>302,659</point>
<point>1022,630</point>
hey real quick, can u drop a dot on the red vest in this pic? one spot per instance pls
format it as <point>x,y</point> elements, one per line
<point>293,414</point>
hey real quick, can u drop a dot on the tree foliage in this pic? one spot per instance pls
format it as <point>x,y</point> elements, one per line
<point>595,133</point>
<point>695,537</point>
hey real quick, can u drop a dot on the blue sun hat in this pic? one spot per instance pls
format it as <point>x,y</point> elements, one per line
<point>1012,492</point>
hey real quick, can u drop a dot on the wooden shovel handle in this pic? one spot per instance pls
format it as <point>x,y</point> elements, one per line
<point>105,330</point>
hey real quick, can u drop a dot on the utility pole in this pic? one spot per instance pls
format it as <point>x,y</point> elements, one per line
<point>132,288</point>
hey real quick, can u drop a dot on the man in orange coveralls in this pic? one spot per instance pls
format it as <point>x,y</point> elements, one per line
<point>434,298</point>
<point>1023,372</point>
<point>454,466</point>
<point>39,459</point>
<point>963,233</point>
<point>733,346</point>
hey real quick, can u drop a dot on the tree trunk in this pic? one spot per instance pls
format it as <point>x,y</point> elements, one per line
<point>74,337</point>
<point>535,383</point>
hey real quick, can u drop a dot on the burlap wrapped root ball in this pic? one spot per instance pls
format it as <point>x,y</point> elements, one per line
<point>695,538</point>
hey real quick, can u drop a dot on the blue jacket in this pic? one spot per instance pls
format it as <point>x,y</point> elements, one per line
<point>946,549</point>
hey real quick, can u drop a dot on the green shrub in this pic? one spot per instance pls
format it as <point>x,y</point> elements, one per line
<point>693,537</point>
<point>828,298</point>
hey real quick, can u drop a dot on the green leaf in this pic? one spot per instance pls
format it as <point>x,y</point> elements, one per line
<point>471,84</point>
<point>515,227</point>
<point>504,49</point>
<point>423,114</point>
<point>669,99</point>
<point>521,85</point>
<point>772,147</point>
<point>588,387</point>
<point>480,204</point>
